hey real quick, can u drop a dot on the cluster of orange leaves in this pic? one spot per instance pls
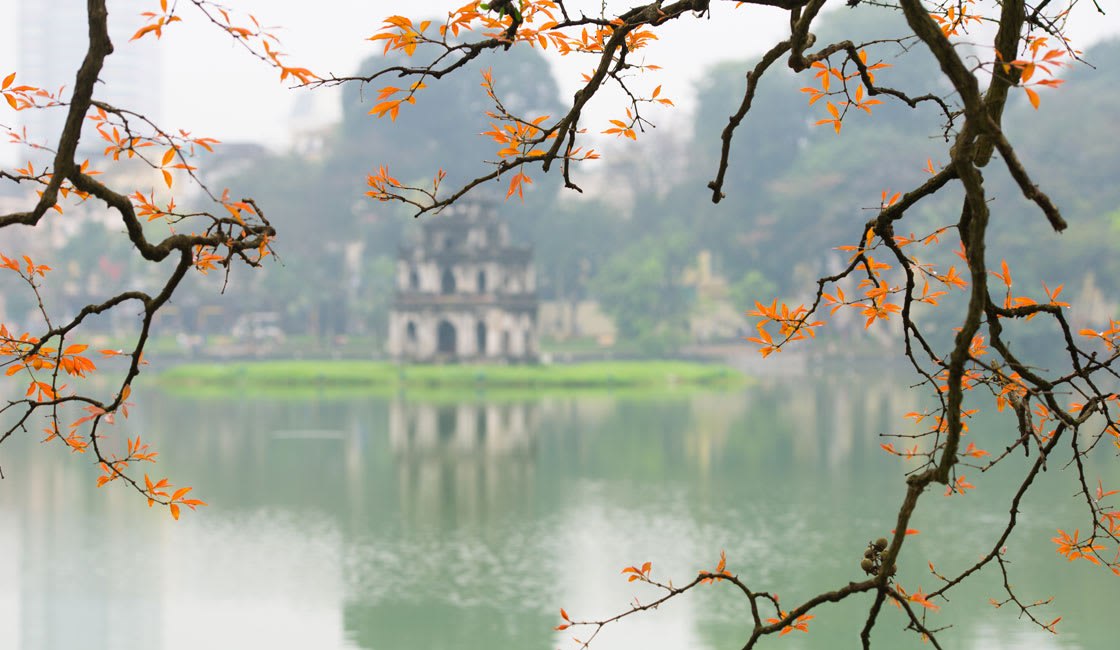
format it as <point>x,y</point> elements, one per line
<point>916,597</point>
<point>1072,548</point>
<point>20,97</point>
<point>181,146</point>
<point>939,423</point>
<point>24,353</point>
<point>873,304</point>
<point>638,574</point>
<point>146,206</point>
<point>959,486</point>
<point>720,570</point>
<point>941,426</point>
<point>257,35</point>
<point>621,128</point>
<point>1109,337</point>
<point>392,107</point>
<point>793,325</point>
<point>518,138</point>
<point>956,19</point>
<point>24,97</point>
<point>824,75</point>
<point>158,21</point>
<point>1039,60</point>
<point>563,626</point>
<point>400,33</point>
<point>114,468</point>
<point>174,500</point>
<point>802,622</point>
<point>29,272</point>
<point>205,258</point>
<point>65,189</point>
<point>381,182</point>
<point>1010,302</point>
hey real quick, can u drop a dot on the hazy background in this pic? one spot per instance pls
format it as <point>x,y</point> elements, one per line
<point>210,86</point>
<point>643,254</point>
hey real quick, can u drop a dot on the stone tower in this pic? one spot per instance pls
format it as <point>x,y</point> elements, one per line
<point>464,292</point>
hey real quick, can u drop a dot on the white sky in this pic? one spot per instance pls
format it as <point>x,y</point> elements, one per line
<point>213,88</point>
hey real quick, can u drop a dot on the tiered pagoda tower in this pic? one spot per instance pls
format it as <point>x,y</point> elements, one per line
<point>464,292</point>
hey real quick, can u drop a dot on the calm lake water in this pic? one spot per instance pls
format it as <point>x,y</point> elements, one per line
<point>356,521</point>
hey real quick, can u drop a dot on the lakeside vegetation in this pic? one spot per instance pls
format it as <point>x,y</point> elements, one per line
<point>383,374</point>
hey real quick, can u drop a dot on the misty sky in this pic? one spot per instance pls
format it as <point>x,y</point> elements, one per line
<point>213,88</point>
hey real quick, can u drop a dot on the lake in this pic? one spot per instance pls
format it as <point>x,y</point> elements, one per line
<point>350,520</point>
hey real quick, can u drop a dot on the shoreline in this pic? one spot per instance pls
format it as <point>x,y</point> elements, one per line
<point>383,374</point>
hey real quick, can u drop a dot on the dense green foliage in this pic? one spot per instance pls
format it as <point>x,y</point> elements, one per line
<point>374,373</point>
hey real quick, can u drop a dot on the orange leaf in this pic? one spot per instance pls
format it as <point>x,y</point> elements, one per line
<point>144,30</point>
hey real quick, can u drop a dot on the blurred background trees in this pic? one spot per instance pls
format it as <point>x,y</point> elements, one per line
<point>635,250</point>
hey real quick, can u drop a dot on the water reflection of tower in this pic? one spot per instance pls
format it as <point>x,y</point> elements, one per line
<point>839,416</point>
<point>457,462</point>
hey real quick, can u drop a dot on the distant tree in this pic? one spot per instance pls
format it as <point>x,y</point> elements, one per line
<point>640,288</point>
<point>901,214</point>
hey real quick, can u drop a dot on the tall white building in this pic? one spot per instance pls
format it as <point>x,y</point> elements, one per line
<point>53,37</point>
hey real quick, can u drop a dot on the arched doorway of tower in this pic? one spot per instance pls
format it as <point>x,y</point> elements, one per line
<point>446,335</point>
<point>447,285</point>
<point>480,338</point>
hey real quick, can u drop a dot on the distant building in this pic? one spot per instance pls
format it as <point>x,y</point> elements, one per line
<point>52,41</point>
<point>464,292</point>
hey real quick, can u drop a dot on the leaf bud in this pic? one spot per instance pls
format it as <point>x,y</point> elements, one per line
<point>868,565</point>
<point>881,544</point>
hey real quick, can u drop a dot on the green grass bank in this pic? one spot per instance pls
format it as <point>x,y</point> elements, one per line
<point>372,374</point>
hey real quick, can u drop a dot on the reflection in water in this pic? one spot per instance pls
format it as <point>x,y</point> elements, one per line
<point>397,523</point>
<point>458,462</point>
